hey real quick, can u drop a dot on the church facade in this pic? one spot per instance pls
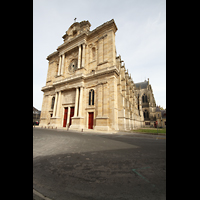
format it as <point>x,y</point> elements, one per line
<point>87,85</point>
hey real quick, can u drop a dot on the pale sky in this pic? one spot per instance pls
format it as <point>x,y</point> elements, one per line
<point>140,38</point>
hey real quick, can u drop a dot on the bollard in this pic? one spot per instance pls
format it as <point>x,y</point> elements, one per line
<point>52,127</point>
<point>82,129</point>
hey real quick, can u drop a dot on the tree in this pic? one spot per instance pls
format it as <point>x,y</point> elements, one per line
<point>161,108</point>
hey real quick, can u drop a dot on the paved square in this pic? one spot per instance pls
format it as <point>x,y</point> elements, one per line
<point>75,165</point>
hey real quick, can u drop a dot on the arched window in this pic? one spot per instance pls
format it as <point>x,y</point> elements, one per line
<point>91,97</point>
<point>93,53</point>
<point>146,114</point>
<point>52,102</point>
<point>144,98</point>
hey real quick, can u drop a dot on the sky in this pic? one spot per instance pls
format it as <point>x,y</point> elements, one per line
<point>140,38</point>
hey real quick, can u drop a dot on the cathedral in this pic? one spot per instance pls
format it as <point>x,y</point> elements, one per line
<point>88,86</point>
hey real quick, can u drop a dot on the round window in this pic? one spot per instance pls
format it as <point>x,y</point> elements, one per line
<point>73,66</point>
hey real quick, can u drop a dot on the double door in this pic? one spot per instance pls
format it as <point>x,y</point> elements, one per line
<point>66,116</point>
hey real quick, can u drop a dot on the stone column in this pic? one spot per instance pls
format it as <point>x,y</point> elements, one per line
<point>99,100</point>
<point>105,100</point>
<point>58,74</point>
<point>79,57</point>
<point>62,67</point>
<point>58,104</point>
<point>55,105</point>
<point>80,102</point>
<point>68,116</point>
<point>76,102</point>
<point>83,56</point>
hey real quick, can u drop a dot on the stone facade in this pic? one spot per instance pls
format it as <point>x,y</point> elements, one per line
<point>87,85</point>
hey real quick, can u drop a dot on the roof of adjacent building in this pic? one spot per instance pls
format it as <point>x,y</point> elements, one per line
<point>143,85</point>
<point>163,113</point>
<point>36,111</point>
<point>158,109</point>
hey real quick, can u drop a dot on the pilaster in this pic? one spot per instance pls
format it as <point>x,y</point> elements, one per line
<point>62,67</point>
<point>83,56</point>
<point>58,74</point>
<point>55,105</point>
<point>79,56</point>
<point>76,102</point>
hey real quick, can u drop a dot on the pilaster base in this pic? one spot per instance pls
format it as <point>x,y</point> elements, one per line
<point>122,123</point>
<point>77,123</point>
<point>55,121</point>
<point>102,123</point>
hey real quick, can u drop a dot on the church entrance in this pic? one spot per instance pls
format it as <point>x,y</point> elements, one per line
<point>65,117</point>
<point>90,120</point>
<point>71,115</point>
<point>65,120</point>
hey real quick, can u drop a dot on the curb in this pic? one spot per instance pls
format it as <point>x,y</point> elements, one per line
<point>39,196</point>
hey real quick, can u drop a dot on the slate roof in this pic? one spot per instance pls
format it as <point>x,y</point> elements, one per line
<point>143,85</point>
<point>163,113</point>
<point>36,111</point>
<point>157,109</point>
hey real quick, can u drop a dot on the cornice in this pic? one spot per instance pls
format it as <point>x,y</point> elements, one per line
<point>47,87</point>
<point>55,53</point>
<point>84,76</point>
<point>106,24</point>
<point>73,40</point>
<point>81,38</point>
<point>66,80</point>
<point>102,72</point>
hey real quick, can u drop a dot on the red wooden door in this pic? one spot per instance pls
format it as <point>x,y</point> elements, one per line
<point>65,117</point>
<point>90,120</point>
<point>71,115</point>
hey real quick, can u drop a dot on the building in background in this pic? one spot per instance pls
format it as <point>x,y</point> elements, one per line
<point>36,115</point>
<point>161,117</point>
<point>145,92</point>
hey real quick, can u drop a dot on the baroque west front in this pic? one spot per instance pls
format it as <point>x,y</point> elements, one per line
<point>88,87</point>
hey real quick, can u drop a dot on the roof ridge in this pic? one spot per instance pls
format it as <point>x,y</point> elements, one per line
<point>105,23</point>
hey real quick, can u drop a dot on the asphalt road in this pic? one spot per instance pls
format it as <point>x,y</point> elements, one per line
<point>80,166</point>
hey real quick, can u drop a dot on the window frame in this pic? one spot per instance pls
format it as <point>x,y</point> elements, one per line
<point>91,97</point>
